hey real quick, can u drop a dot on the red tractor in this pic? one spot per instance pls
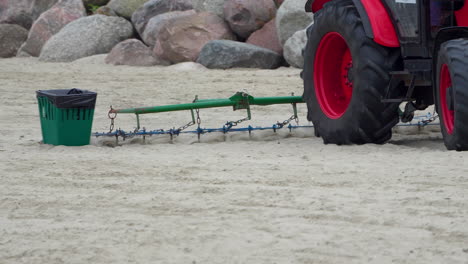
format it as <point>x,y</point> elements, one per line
<point>365,57</point>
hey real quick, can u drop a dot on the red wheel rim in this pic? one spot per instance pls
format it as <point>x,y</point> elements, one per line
<point>447,114</point>
<point>332,72</point>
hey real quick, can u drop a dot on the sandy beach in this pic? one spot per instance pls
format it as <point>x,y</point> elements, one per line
<point>271,198</point>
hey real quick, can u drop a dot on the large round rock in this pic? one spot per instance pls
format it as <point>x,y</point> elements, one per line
<point>11,38</point>
<point>293,49</point>
<point>246,16</point>
<point>225,54</point>
<point>267,37</point>
<point>23,12</point>
<point>125,8</point>
<point>212,6</point>
<point>157,23</point>
<point>183,38</point>
<point>50,23</point>
<point>156,7</point>
<point>85,37</point>
<point>133,52</point>
<point>291,17</point>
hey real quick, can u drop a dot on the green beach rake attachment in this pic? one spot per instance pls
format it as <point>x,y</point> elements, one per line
<point>239,101</point>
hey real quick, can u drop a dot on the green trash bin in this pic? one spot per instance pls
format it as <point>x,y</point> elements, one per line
<point>66,116</point>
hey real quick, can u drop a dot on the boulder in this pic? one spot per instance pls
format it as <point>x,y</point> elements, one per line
<point>225,54</point>
<point>133,52</point>
<point>246,16</point>
<point>85,37</point>
<point>293,49</point>
<point>291,18</point>
<point>50,23</point>
<point>154,26</point>
<point>125,8</point>
<point>23,12</point>
<point>267,37</point>
<point>184,37</point>
<point>156,7</point>
<point>11,38</point>
<point>106,11</point>
<point>211,6</point>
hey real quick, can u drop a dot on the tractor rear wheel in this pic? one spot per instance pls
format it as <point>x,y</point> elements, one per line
<point>452,93</point>
<point>346,75</point>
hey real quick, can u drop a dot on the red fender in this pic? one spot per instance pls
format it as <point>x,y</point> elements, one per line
<point>318,4</point>
<point>462,16</point>
<point>382,27</point>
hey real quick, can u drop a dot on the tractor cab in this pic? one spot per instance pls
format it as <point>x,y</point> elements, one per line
<point>417,23</point>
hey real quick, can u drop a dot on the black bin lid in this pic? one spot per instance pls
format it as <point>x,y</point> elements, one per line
<point>70,98</point>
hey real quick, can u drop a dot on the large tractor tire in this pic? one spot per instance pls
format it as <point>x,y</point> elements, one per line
<point>346,75</point>
<point>452,93</point>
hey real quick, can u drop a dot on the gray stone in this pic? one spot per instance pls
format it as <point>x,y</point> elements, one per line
<point>225,54</point>
<point>133,52</point>
<point>293,49</point>
<point>50,23</point>
<point>125,8</point>
<point>154,26</point>
<point>85,37</point>
<point>156,7</point>
<point>212,6</point>
<point>291,17</point>
<point>11,38</point>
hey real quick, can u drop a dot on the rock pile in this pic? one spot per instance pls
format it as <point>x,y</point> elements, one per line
<point>157,32</point>
<point>50,23</point>
<point>23,12</point>
<point>85,37</point>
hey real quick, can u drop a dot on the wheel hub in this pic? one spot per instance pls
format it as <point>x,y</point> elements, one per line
<point>350,74</point>
<point>449,99</point>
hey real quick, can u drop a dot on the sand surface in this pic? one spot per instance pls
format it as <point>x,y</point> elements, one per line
<point>272,198</point>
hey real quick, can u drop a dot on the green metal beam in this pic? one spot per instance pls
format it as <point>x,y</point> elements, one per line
<point>276,100</point>
<point>177,107</point>
<point>237,101</point>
